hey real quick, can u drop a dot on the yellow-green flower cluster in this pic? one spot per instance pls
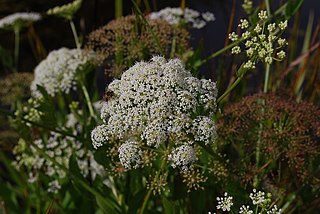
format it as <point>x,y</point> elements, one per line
<point>261,42</point>
<point>66,11</point>
<point>247,6</point>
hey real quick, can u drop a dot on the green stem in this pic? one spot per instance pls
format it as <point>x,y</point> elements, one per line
<point>268,8</point>
<point>146,198</point>
<point>173,47</point>
<point>257,209</point>
<point>16,47</point>
<point>88,101</point>
<point>118,4</point>
<point>219,52</point>
<point>149,28</point>
<point>234,84</point>
<point>266,79</point>
<point>74,32</point>
<point>256,179</point>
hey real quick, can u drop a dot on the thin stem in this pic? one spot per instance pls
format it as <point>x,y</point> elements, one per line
<point>74,32</point>
<point>88,101</point>
<point>146,198</point>
<point>16,47</point>
<point>268,8</point>
<point>173,47</point>
<point>234,84</point>
<point>266,79</point>
<point>149,28</point>
<point>118,8</point>
<point>219,52</point>
<point>257,208</point>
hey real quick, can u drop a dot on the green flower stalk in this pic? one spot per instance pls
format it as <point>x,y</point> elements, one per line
<point>15,22</point>
<point>67,12</point>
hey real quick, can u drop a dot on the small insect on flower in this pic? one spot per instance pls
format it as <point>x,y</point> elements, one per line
<point>108,95</point>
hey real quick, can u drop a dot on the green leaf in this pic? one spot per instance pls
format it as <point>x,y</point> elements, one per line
<point>109,207</point>
<point>169,206</point>
<point>6,59</point>
<point>292,7</point>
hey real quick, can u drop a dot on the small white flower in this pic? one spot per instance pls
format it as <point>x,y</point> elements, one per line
<point>224,203</point>
<point>233,36</point>
<point>175,16</point>
<point>245,210</point>
<point>130,155</point>
<point>257,197</point>
<point>274,210</point>
<point>54,186</point>
<point>258,28</point>
<point>282,42</point>
<point>99,135</point>
<point>245,35</point>
<point>208,17</point>
<point>249,52</point>
<point>182,156</point>
<point>262,37</point>
<point>243,24</point>
<point>236,50</point>
<point>283,25</point>
<point>281,54</point>
<point>268,60</point>
<point>18,19</point>
<point>247,5</point>
<point>249,65</point>
<point>262,15</point>
<point>271,27</point>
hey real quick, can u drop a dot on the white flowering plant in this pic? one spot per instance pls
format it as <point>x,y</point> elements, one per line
<point>152,141</point>
<point>260,203</point>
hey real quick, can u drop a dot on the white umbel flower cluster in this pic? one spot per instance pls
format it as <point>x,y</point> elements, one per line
<point>182,156</point>
<point>260,204</point>
<point>159,102</point>
<point>175,16</point>
<point>60,148</point>
<point>224,203</point>
<point>257,197</point>
<point>130,155</point>
<point>19,19</point>
<point>57,73</point>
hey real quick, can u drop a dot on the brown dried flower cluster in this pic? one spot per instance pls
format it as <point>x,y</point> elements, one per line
<point>288,132</point>
<point>15,86</point>
<point>124,41</point>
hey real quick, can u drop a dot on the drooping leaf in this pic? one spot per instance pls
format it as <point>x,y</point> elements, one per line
<point>292,7</point>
